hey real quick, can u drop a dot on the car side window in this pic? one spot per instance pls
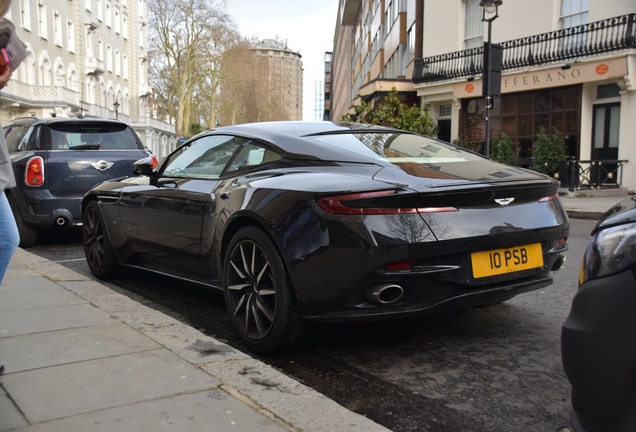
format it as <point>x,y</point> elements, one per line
<point>14,135</point>
<point>205,157</point>
<point>251,155</point>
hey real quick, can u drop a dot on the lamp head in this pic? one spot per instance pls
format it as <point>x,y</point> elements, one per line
<point>490,6</point>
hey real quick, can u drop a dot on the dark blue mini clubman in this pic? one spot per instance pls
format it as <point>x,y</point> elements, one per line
<point>57,160</point>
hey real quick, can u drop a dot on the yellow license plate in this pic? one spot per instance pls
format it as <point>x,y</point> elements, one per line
<point>508,260</point>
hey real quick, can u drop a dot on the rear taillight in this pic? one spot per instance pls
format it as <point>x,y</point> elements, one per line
<point>154,160</point>
<point>352,204</point>
<point>549,198</point>
<point>34,174</point>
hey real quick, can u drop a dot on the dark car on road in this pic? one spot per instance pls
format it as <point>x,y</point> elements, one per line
<point>597,339</point>
<point>57,160</point>
<point>319,221</point>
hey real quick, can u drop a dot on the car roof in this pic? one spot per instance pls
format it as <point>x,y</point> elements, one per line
<point>290,137</point>
<point>304,128</point>
<point>32,120</point>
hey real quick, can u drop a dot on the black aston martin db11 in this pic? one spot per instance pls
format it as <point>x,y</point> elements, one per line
<point>302,221</point>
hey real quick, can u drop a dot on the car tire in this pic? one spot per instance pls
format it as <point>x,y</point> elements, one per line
<point>28,234</point>
<point>97,248</point>
<point>258,293</point>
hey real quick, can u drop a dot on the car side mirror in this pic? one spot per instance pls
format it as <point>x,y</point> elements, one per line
<point>144,166</point>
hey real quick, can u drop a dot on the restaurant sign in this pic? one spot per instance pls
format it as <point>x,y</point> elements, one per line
<point>565,75</point>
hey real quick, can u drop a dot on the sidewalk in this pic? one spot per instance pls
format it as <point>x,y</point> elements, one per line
<point>82,357</point>
<point>592,207</point>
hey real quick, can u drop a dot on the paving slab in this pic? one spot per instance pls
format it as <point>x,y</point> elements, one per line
<point>10,415</point>
<point>25,321</point>
<point>213,410</point>
<point>76,388</point>
<point>38,293</point>
<point>19,353</point>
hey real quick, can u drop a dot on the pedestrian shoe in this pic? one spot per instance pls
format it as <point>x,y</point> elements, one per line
<point>1,369</point>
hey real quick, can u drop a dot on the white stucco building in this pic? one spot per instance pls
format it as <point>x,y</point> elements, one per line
<point>86,57</point>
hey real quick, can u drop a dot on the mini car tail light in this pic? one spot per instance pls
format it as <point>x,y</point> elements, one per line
<point>344,204</point>
<point>154,160</point>
<point>34,173</point>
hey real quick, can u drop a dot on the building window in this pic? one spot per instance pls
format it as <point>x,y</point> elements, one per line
<point>100,11</point>
<point>574,13</point>
<point>473,26</point>
<point>445,110</point>
<point>124,26</point>
<point>522,115</point>
<point>25,14</point>
<point>125,67</point>
<point>42,23</point>
<point>117,63</point>
<point>87,5</point>
<point>608,91</point>
<point>57,28</point>
<point>390,14</point>
<point>117,22</point>
<point>410,42</point>
<point>109,58</point>
<point>70,35</point>
<point>109,15</point>
<point>142,35</point>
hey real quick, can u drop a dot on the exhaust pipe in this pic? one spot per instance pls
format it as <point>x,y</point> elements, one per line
<point>63,217</point>
<point>385,294</point>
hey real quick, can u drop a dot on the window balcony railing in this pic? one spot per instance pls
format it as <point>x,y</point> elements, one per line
<point>609,35</point>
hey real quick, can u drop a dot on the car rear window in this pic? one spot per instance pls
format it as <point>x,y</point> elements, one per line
<point>399,148</point>
<point>93,136</point>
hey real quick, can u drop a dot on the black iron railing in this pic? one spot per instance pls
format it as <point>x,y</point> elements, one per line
<point>591,174</point>
<point>609,35</point>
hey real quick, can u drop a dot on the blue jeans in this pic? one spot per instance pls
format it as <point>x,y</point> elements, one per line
<point>9,236</point>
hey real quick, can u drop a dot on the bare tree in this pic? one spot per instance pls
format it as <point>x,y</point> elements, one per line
<point>248,91</point>
<point>187,41</point>
<point>245,90</point>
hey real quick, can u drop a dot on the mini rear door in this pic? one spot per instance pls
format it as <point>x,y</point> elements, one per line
<point>82,155</point>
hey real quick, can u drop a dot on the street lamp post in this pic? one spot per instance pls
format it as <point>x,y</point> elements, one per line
<point>116,106</point>
<point>491,82</point>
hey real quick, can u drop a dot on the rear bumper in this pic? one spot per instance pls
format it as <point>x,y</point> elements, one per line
<point>599,355</point>
<point>421,298</point>
<point>41,209</point>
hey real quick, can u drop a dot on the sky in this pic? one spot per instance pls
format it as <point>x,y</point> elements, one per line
<point>308,27</point>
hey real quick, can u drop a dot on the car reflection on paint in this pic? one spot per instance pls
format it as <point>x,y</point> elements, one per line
<point>599,356</point>
<point>317,221</point>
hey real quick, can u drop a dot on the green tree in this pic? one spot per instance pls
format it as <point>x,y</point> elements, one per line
<point>549,152</point>
<point>392,112</point>
<point>501,150</point>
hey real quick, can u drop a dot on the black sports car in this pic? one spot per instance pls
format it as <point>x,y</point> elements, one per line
<point>301,221</point>
<point>597,349</point>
